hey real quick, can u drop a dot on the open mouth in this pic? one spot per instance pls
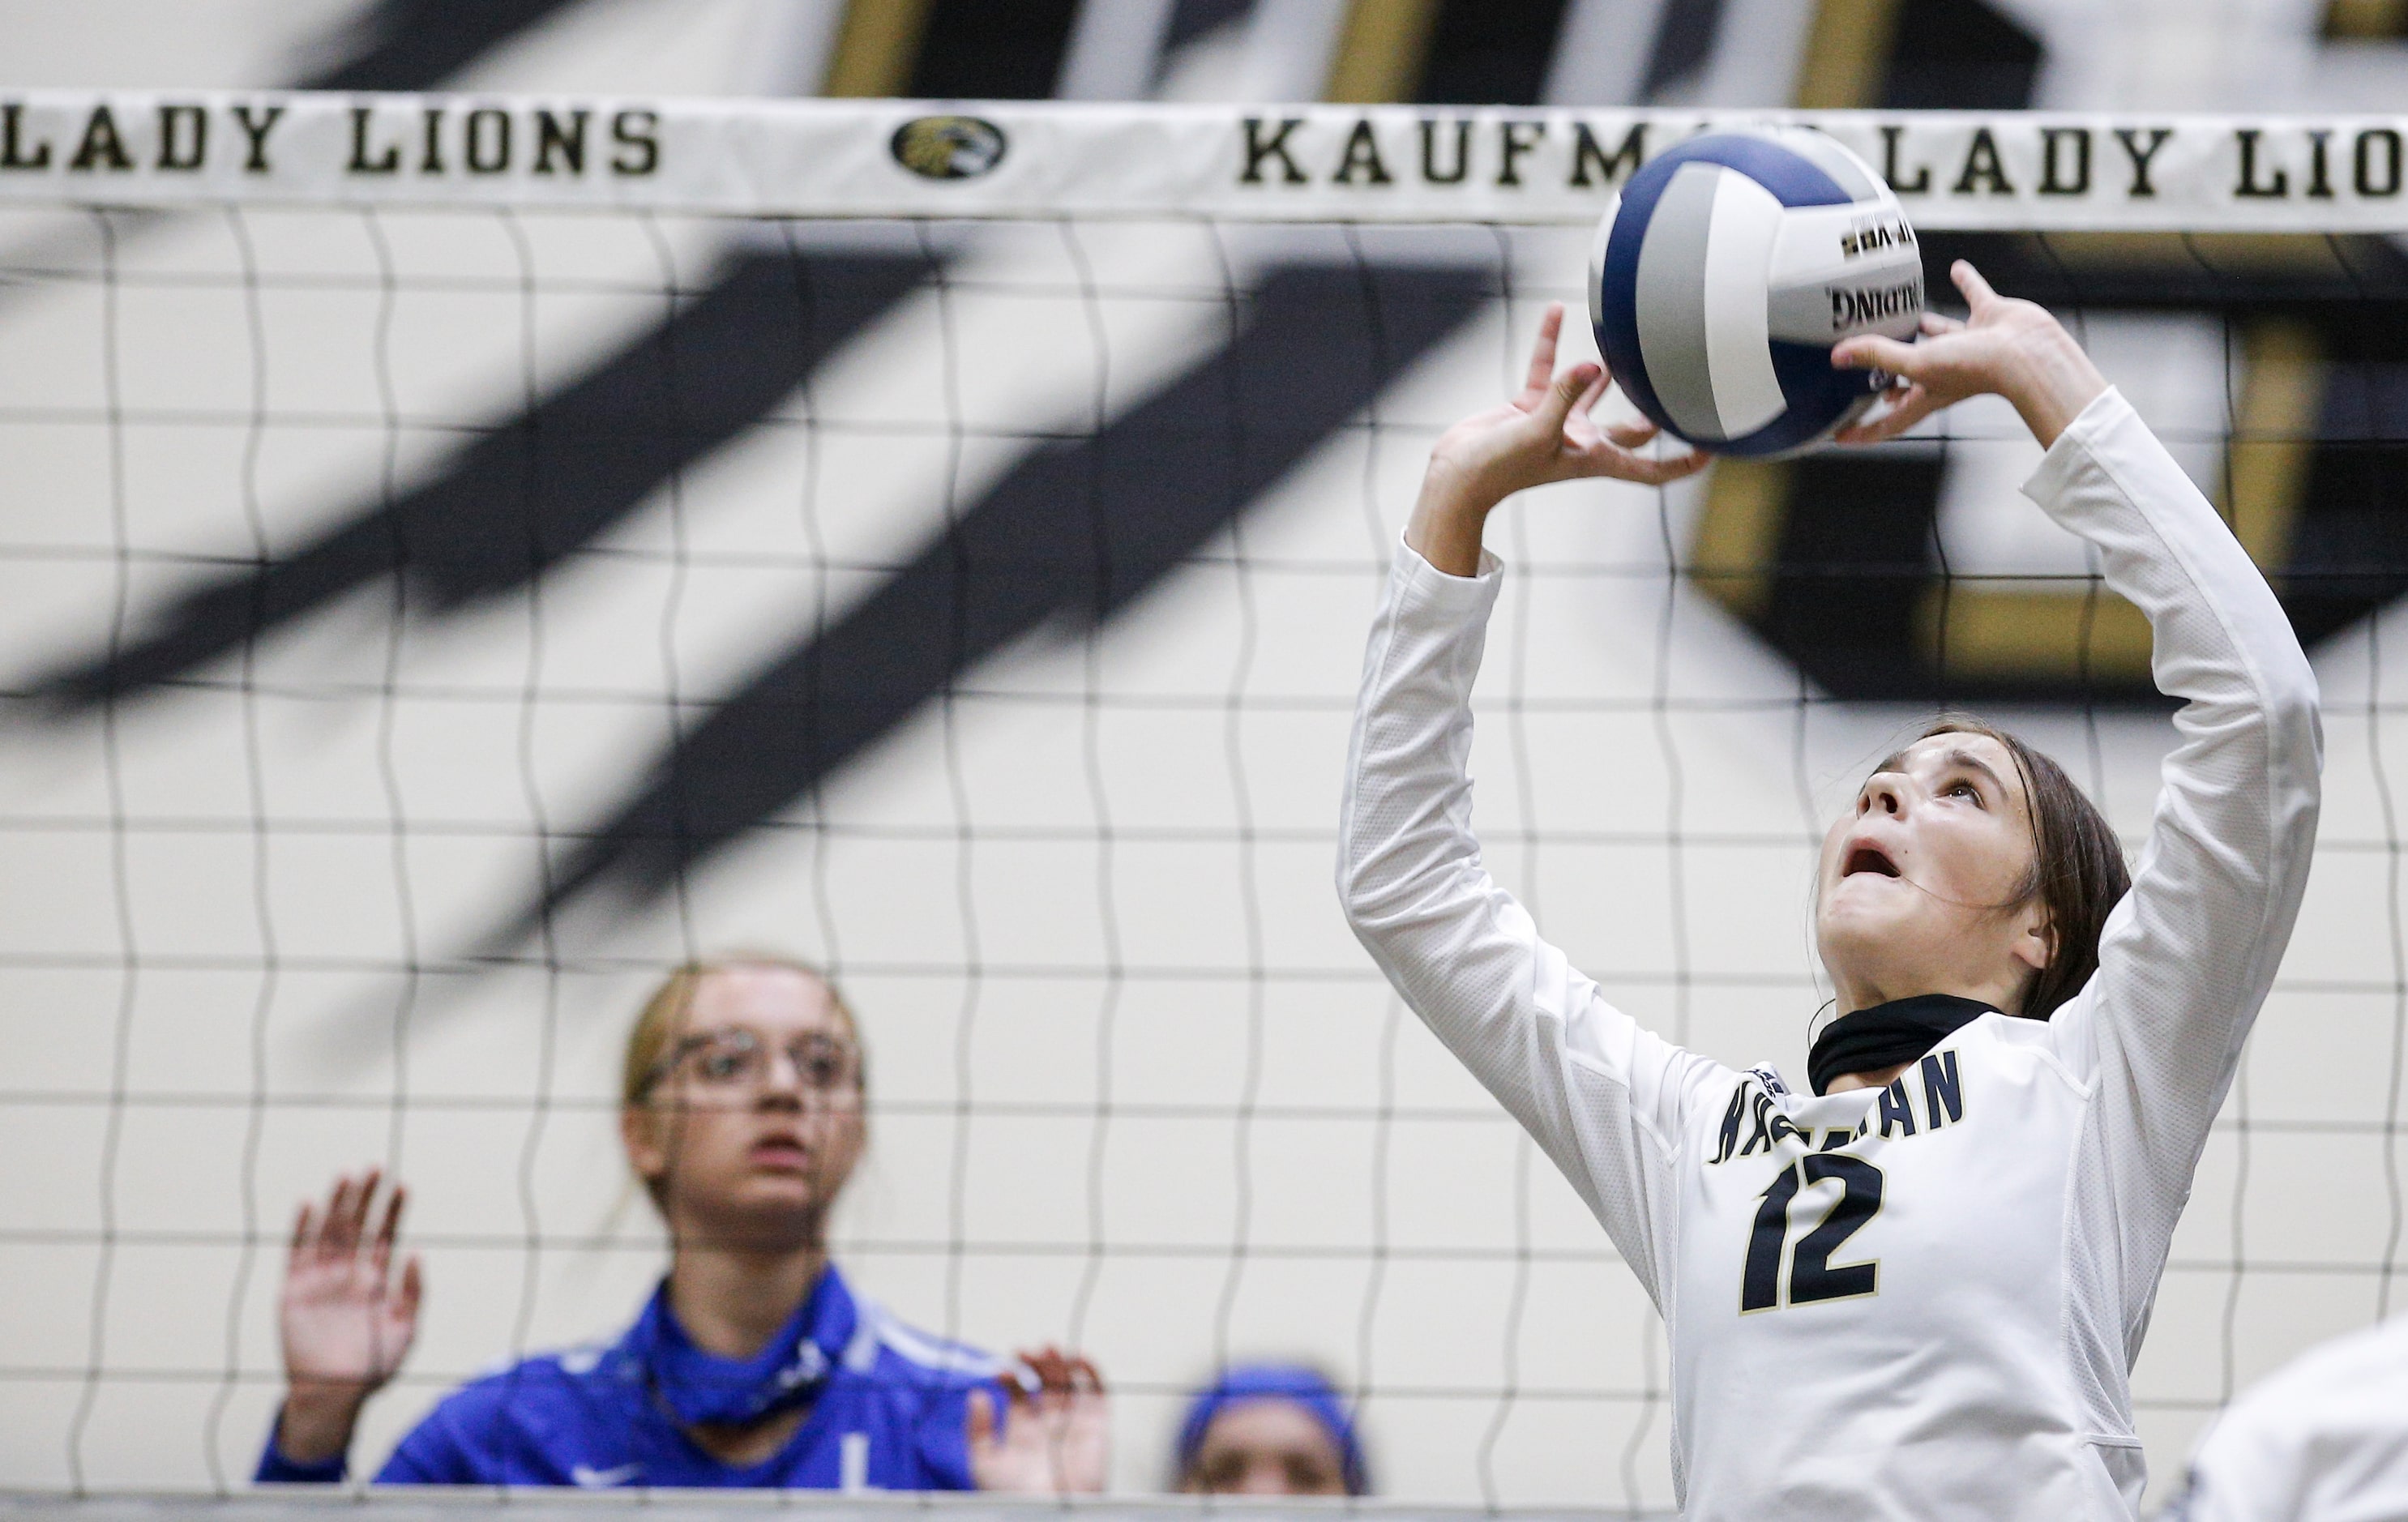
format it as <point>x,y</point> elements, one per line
<point>781,1152</point>
<point>1866,858</point>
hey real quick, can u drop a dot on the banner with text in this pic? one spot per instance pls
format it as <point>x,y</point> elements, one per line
<point>1952,170</point>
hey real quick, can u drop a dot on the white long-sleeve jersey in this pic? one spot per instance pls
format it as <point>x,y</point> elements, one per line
<point>1923,1301</point>
<point>2323,1439</point>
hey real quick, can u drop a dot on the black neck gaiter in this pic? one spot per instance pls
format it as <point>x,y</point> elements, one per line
<point>1886,1035</point>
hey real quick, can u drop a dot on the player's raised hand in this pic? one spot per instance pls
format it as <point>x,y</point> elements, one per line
<point>1057,1440</point>
<point>2010,347</point>
<point>1544,433</point>
<point>1541,435</point>
<point>346,1320</point>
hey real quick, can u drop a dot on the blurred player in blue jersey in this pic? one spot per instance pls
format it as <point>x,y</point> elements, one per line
<point>1270,1429</point>
<point>754,1363</point>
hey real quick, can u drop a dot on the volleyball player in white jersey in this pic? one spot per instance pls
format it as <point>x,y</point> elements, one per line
<point>1917,1291</point>
<point>2323,1439</point>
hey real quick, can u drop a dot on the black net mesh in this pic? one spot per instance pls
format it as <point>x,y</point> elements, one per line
<point>426,630</point>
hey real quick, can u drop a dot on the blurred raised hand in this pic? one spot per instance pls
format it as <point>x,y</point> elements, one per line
<point>347,1320</point>
<point>1057,1439</point>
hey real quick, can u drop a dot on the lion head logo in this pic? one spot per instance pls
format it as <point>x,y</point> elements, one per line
<point>948,147</point>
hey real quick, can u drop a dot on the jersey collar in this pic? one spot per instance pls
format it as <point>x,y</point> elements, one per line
<point>1886,1035</point>
<point>700,1388</point>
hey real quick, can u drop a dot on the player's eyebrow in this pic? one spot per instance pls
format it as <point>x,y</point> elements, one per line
<point>1966,759</point>
<point>1957,756</point>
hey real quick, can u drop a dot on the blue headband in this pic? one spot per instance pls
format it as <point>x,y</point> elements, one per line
<point>1307,1388</point>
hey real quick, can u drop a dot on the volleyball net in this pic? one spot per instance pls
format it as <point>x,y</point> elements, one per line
<point>467,556</point>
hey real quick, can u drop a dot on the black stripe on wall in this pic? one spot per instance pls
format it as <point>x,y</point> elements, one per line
<point>541,486</point>
<point>1072,537</point>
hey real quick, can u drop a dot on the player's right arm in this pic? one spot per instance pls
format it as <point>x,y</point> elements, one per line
<point>346,1322</point>
<point>1600,1094</point>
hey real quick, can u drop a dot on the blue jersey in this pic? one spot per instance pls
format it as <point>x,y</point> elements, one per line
<point>887,1412</point>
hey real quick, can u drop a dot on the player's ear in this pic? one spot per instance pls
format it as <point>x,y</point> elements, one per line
<point>2035,943</point>
<point>639,1133</point>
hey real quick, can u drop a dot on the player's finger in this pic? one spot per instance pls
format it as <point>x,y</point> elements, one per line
<point>1908,409</point>
<point>1085,1377</point>
<point>1873,430</point>
<point>980,1427</point>
<point>1542,353</point>
<point>380,1249</point>
<point>1633,434</point>
<point>1052,1368</point>
<point>1025,1381</point>
<point>330,1227</point>
<point>1557,404</point>
<point>413,1284</point>
<point>304,1228</point>
<point>1906,418</point>
<point>1622,465</point>
<point>1871,351</point>
<point>355,1219</point>
<point>1978,293</point>
<point>1594,395</point>
<point>1936,324</point>
<point>1580,428</point>
<point>1678,467</point>
<point>1887,406</point>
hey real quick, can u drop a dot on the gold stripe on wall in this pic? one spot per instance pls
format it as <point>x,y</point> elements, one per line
<point>2273,438</point>
<point>2012,633</point>
<point>1381,52</point>
<point>1739,534</point>
<point>1847,53</point>
<point>877,48</point>
<point>2368,21</point>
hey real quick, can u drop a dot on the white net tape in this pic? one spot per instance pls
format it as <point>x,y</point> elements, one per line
<point>1996,170</point>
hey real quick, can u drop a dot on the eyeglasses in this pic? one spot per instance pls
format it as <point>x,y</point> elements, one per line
<point>738,1058</point>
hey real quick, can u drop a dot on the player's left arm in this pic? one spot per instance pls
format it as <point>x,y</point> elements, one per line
<point>2188,955</point>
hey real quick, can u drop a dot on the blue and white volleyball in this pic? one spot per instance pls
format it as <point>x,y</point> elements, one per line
<point>1727,270</point>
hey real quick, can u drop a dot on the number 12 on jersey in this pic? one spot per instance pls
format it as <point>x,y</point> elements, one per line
<point>1813,1275</point>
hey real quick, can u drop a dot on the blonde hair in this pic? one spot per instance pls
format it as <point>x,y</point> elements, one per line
<point>662,1023</point>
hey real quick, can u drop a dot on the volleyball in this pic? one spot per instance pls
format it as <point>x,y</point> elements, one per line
<point>1726,270</point>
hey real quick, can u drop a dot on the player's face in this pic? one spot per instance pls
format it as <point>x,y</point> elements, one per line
<point>1268,1448</point>
<point>757,1123</point>
<point>1920,887</point>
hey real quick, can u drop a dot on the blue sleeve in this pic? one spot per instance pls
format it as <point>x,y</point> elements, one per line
<point>433,1454</point>
<point>430,1455</point>
<point>275,1469</point>
<point>944,1435</point>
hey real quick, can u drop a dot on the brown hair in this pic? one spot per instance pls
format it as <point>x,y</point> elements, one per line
<point>2077,870</point>
<point>661,1022</point>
